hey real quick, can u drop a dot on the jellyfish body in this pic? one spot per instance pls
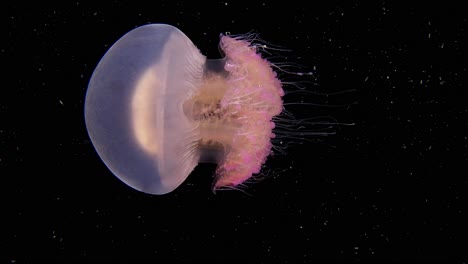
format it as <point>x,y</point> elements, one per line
<point>155,107</point>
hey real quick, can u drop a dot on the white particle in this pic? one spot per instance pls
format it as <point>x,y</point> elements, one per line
<point>60,101</point>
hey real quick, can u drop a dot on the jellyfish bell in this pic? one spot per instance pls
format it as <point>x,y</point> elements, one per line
<point>155,107</point>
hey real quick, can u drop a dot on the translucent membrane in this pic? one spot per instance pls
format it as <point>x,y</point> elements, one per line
<point>156,107</point>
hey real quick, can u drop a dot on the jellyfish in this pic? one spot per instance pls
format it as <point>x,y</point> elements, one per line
<point>155,107</point>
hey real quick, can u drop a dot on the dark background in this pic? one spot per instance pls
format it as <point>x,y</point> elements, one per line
<point>391,187</point>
